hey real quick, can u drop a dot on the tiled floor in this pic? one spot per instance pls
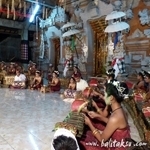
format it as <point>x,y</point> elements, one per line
<point>27,119</point>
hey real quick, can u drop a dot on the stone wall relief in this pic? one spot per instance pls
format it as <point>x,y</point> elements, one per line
<point>77,10</point>
<point>57,16</point>
<point>52,29</point>
<point>110,49</point>
<point>147,2</point>
<point>93,4</point>
<point>68,60</point>
<point>125,6</point>
<point>117,30</point>
<point>144,17</point>
<point>84,53</point>
<point>76,53</point>
<point>72,35</point>
<point>137,45</point>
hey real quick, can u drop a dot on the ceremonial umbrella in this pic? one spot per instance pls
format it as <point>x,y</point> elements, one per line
<point>115,15</point>
<point>117,26</point>
<point>71,32</point>
<point>67,25</point>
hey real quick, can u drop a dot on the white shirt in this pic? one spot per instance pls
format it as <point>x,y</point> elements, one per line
<point>81,85</point>
<point>20,78</point>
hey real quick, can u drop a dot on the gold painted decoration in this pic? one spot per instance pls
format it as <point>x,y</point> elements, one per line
<point>7,10</point>
<point>14,15</point>
<point>100,42</point>
<point>0,4</point>
<point>24,9</point>
<point>12,6</point>
<point>20,5</point>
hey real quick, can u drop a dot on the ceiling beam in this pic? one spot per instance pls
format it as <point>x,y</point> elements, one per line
<point>15,24</point>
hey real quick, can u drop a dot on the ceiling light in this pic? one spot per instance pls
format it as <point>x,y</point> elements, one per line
<point>34,13</point>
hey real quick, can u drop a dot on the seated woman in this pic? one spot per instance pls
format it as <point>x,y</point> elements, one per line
<point>37,81</point>
<point>116,129</point>
<point>3,67</point>
<point>141,85</point>
<point>32,68</point>
<point>147,80</point>
<point>19,81</point>
<point>50,72</point>
<point>76,71</point>
<point>55,83</point>
<point>70,92</point>
<point>11,69</point>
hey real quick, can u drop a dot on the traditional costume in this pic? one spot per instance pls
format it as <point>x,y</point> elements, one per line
<point>89,142</point>
<point>37,83</point>
<point>19,82</point>
<point>55,87</point>
<point>66,133</point>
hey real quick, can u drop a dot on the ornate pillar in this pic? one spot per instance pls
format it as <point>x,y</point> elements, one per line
<point>25,44</point>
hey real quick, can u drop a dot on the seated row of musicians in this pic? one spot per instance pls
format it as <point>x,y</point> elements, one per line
<point>20,81</point>
<point>76,83</point>
<point>143,83</point>
<point>105,119</point>
<point>105,124</point>
<point>53,85</point>
<point>10,68</point>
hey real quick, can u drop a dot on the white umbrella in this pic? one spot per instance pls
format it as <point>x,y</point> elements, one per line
<point>67,25</point>
<point>115,15</point>
<point>115,27</point>
<point>70,32</point>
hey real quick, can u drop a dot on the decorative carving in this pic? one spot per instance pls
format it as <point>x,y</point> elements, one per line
<point>68,61</point>
<point>93,5</point>
<point>110,49</point>
<point>137,34</point>
<point>117,5</point>
<point>119,50</point>
<point>144,16</point>
<point>81,64</point>
<point>85,52</point>
<point>127,6</point>
<point>147,32</point>
<point>147,2</point>
<point>57,15</point>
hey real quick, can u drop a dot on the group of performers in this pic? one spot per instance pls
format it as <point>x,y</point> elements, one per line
<point>10,68</point>
<point>105,120</point>
<point>20,80</point>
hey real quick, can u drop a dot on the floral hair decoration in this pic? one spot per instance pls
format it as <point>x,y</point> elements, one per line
<point>120,89</point>
<point>110,71</point>
<point>57,72</point>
